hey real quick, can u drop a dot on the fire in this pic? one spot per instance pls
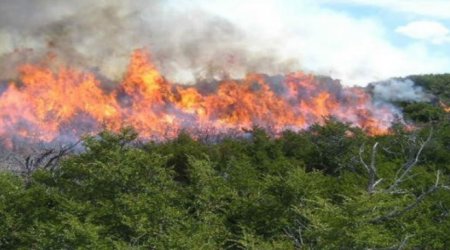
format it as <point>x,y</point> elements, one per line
<point>445,107</point>
<point>46,105</point>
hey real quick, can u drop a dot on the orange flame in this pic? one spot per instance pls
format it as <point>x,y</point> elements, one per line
<point>48,105</point>
<point>445,107</point>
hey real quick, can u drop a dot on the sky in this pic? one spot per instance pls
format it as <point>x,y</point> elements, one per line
<point>357,41</point>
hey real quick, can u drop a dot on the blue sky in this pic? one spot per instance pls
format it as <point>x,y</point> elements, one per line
<point>394,18</point>
<point>357,41</point>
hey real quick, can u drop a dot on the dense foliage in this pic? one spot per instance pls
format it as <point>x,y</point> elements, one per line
<point>437,84</point>
<point>331,187</point>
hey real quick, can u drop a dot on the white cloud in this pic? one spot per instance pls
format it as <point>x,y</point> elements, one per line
<point>431,31</point>
<point>430,8</point>
<point>356,50</point>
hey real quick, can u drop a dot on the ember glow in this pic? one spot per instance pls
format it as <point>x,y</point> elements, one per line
<point>47,105</point>
<point>445,107</point>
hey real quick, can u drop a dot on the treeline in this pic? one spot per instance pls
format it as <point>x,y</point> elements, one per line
<point>438,85</point>
<point>326,188</point>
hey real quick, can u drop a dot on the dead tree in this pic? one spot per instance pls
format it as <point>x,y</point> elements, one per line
<point>418,200</point>
<point>371,168</point>
<point>402,173</point>
<point>47,159</point>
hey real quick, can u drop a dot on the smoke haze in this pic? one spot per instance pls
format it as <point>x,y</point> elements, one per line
<point>399,90</point>
<point>100,35</point>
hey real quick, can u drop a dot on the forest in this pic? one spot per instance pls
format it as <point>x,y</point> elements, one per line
<point>331,186</point>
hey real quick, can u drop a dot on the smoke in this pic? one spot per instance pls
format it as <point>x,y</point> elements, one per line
<point>186,43</point>
<point>399,90</point>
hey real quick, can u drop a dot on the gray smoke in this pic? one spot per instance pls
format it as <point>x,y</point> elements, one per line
<point>185,44</point>
<point>399,90</point>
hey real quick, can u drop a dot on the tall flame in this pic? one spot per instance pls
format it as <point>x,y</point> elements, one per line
<point>47,105</point>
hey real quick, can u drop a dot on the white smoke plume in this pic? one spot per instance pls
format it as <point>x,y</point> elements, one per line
<point>186,44</point>
<point>399,90</point>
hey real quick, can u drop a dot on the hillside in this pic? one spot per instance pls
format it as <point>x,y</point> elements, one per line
<point>331,186</point>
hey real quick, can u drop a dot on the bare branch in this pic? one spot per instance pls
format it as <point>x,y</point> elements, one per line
<point>53,161</point>
<point>404,242</point>
<point>361,151</point>
<point>419,199</point>
<point>409,165</point>
<point>296,235</point>
<point>47,159</point>
<point>371,169</point>
<point>377,182</point>
<point>437,178</point>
